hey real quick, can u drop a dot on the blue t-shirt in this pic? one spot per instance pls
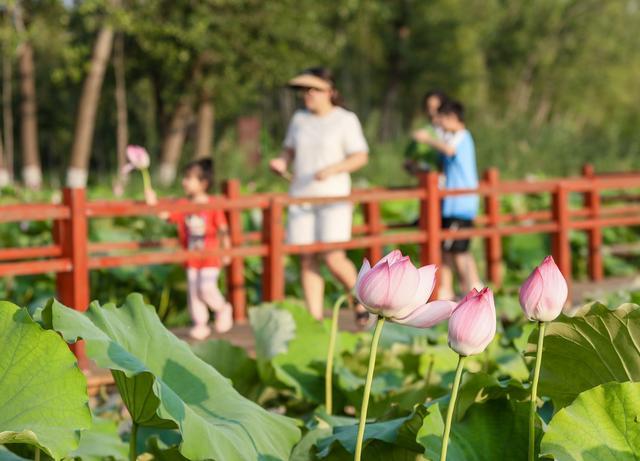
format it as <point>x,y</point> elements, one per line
<point>461,173</point>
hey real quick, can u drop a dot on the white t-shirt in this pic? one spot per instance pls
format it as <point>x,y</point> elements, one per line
<point>320,141</point>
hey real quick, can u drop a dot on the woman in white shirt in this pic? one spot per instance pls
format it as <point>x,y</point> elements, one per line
<point>324,144</point>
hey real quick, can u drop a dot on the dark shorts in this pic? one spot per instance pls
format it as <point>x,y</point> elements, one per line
<point>456,246</point>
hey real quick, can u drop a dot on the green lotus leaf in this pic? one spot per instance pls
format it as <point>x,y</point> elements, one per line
<point>602,424</point>
<point>596,347</point>
<point>490,431</point>
<point>232,362</point>
<point>379,437</point>
<point>295,358</point>
<point>43,398</point>
<point>100,442</point>
<point>164,384</point>
<point>6,455</point>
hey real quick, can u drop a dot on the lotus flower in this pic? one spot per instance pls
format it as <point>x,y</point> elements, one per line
<point>138,158</point>
<point>544,293</point>
<point>395,289</point>
<point>472,325</point>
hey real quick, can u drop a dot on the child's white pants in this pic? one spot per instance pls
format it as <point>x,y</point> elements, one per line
<point>204,293</point>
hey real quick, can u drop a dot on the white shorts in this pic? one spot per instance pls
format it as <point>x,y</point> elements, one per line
<point>319,223</point>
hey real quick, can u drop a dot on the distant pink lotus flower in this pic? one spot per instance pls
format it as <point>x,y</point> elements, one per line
<point>544,293</point>
<point>472,325</point>
<point>395,289</point>
<point>138,158</point>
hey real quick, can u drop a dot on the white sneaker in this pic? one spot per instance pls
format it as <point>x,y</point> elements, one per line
<point>200,332</point>
<point>224,319</point>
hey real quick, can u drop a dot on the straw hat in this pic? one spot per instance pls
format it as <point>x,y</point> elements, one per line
<point>307,80</point>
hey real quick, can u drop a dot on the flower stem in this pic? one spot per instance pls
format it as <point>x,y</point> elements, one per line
<point>37,454</point>
<point>367,386</point>
<point>133,438</point>
<point>452,406</point>
<point>146,179</point>
<point>328,375</point>
<point>534,392</point>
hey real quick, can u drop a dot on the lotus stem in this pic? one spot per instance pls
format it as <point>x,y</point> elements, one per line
<point>37,454</point>
<point>452,406</point>
<point>534,392</point>
<point>367,386</point>
<point>146,179</point>
<point>133,438</point>
<point>328,376</point>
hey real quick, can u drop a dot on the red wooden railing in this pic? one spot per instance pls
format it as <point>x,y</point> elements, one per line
<point>72,256</point>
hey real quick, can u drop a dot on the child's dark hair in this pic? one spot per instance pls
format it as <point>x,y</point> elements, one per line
<point>441,95</point>
<point>203,167</point>
<point>325,74</point>
<point>452,107</point>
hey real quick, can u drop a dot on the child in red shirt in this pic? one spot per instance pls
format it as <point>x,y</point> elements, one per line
<point>202,230</point>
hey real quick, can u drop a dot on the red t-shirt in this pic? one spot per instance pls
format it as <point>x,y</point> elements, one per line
<point>199,231</point>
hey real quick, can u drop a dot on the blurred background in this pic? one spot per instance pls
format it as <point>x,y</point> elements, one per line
<point>548,85</point>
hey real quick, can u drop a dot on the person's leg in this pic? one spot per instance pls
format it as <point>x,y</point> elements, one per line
<point>211,294</point>
<point>312,285</point>
<point>445,289</point>
<point>197,307</point>
<point>467,270</point>
<point>301,231</point>
<point>342,268</point>
<point>334,225</point>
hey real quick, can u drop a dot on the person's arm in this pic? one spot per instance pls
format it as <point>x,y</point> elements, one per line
<point>151,198</point>
<point>225,241</point>
<point>424,137</point>
<point>280,164</point>
<point>352,163</point>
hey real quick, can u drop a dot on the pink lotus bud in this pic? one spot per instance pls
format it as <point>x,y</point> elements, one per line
<point>394,288</point>
<point>544,293</point>
<point>138,157</point>
<point>472,325</point>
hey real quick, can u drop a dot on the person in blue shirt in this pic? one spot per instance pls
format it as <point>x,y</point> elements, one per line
<point>458,154</point>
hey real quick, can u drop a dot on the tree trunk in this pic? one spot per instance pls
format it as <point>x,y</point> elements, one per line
<point>7,113</point>
<point>87,108</point>
<point>5,180</point>
<point>122,129</point>
<point>204,127</point>
<point>174,141</point>
<point>31,170</point>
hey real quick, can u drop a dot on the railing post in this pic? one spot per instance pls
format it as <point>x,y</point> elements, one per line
<point>374,229</point>
<point>273,263</point>
<point>431,220</point>
<point>235,271</point>
<point>493,243</point>
<point>562,245</point>
<point>71,235</point>
<point>594,235</point>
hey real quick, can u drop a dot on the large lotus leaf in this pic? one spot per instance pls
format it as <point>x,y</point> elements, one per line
<point>273,329</point>
<point>397,432</point>
<point>495,430</point>
<point>232,362</point>
<point>480,387</point>
<point>295,361</point>
<point>43,394</point>
<point>602,424</point>
<point>100,442</point>
<point>594,348</point>
<point>163,382</point>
